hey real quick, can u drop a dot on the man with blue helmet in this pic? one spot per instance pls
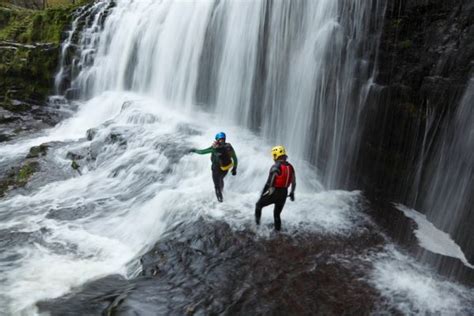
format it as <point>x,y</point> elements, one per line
<point>223,159</point>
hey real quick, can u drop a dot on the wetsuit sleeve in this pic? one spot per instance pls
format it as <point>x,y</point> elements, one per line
<point>234,157</point>
<point>274,170</point>
<point>204,151</point>
<point>293,179</point>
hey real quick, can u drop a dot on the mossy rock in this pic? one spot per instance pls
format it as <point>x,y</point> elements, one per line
<point>15,106</point>
<point>30,26</point>
<point>30,43</point>
<point>26,171</point>
<point>38,151</point>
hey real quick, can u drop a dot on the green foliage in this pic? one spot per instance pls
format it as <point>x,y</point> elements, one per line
<point>31,26</point>
<point>27,69</point>
<point>29,51</point>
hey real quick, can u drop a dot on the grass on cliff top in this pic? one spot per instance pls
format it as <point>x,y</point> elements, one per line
<point>59,3</point>
<point>32,26</point>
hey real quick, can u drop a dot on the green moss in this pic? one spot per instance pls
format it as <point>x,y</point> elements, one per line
<point>30,26</point>
<point>75,165</point>
<point>29,52</point>
<point>25,172</point>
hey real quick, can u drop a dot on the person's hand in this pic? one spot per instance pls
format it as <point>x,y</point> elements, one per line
<point>234,171</point>
<point>269,191</point>
<point>292,196</point>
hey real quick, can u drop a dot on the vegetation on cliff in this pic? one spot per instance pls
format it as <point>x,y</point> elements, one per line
<point>29,51</point>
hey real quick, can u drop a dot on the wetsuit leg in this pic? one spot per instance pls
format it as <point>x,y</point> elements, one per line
<point>280,199</point>
<point>262,202</point>
<point>276,215</point>
<point>217,182</point>
<point>218,179</point>
<point>222,176</point>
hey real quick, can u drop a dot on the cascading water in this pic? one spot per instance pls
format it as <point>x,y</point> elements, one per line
<point>78,49</point>
<point>294,72</point>
<point>299,78</point>
<point>446,190</point>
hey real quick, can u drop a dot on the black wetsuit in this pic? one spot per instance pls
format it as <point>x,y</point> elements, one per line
<point>222,156</point>
<point>273,195</point>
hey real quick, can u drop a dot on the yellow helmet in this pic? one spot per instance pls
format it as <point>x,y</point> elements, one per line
<point>278,151</point>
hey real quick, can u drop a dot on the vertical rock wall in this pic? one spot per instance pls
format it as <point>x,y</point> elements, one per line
<point>425,61</point>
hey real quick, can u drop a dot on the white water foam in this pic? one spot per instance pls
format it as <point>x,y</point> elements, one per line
<point>415,290</point>
<point>432,238</point>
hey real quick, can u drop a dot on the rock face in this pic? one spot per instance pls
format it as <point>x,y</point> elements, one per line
<point>424,64</point>
<point>29,51</point>
<point>425,61</point>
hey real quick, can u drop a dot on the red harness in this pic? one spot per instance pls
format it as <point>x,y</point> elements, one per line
<point>284,179</point>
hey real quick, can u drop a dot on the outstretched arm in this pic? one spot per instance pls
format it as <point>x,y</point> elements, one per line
<point>202,151</point>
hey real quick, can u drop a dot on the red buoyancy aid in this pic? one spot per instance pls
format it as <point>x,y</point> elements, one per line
<point>285,178</point>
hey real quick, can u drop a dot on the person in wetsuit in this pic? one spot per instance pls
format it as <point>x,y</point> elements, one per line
<point>282,175</point>
<point>223,159</point>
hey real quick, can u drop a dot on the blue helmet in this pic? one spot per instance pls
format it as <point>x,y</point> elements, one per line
<point>220,135</point>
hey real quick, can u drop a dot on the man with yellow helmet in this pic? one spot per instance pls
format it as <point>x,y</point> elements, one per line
<point>223,159</point>
<point>282,175</point>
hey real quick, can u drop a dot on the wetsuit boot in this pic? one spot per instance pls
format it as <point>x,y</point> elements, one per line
<point>219,196</point>
<point>258,214</point>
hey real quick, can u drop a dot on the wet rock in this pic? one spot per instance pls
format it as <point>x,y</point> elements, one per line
<point>207,268</point>
<point>90,134</point>
<point>424,64</point>
<point>4,138</point>
<point>73,156</point>
<point>100,296</point>
<point>26,171</point>
<point>19,175</point>
<point>116,138</point>
<point>6,117</point>
<point>38,151</point>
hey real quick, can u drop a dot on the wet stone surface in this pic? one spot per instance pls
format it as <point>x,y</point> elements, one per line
<point>206,268</point>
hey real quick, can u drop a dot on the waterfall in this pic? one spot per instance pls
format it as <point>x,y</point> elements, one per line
<point>78,48</point>
<point>447,189</point>
<point>294,71</point>
<point>153,79</point>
